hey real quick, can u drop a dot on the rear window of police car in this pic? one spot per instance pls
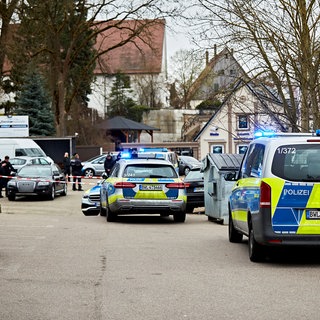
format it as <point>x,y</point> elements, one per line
<point>299,162</point>
<point>149,171</point>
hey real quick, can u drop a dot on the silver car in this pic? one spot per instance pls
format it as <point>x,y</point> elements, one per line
<point>95,165</point>
<point>19,162</point>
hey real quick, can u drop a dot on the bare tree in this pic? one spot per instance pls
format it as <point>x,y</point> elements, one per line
<point>59,33</point>
<point>7,10</point>
<point>186,67</point>
<point>279,39</point>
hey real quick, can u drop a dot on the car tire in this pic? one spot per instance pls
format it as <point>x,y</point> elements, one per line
<point>53,193</point>
<point>11,197</point>
<point>186,170</point>
<point>103,211</point>
<point>256,251</point>
<point>110,216</point>
<point>179,217</point>
<point>65,190</point>
<point>89,172</point>
<point>234,235</point>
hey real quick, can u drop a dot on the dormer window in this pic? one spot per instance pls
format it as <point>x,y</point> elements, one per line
<point>243,122</point>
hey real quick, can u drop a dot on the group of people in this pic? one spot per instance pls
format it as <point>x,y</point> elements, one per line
<point>73,166</point>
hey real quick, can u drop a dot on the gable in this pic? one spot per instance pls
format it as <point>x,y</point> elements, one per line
<point>142,54</point>
<point>221,72</point>
<point>244,100</point>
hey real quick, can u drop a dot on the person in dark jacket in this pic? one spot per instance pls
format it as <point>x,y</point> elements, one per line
<point>108,164</point>
<point>6,169</point>
<point>66,165</point>
<point>76,167</point>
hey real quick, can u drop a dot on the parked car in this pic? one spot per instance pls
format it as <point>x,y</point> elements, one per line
<point>187,163</point>
<point>44,180</point>
<point>95,165</point>
<point>195,189</point>
<point>143,186</point>
<point>90,203</point>
<point>22,161</point>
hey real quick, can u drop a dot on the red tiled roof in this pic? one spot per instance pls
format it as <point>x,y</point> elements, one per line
<point>142,54</point>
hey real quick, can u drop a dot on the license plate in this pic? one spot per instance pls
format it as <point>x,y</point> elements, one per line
<point>198,189</point>
<point>150,187</point>
<point>313,214</point>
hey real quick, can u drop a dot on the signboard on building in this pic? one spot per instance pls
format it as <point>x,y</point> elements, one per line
<point>14,126</point>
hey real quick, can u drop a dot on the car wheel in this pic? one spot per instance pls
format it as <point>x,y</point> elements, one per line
<point>103,211</point>
<point>179,217</point>
<point>234,235</point>
<point>110,216</point>
<point>65,190</point>
<point>186,170</point>
<point>53,193</point>
<point>256,252</point>
<point>11,197</point>
<point>89,172</point>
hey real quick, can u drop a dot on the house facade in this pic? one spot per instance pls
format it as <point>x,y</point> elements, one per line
<point>142,58</point>
<point>248,108</point>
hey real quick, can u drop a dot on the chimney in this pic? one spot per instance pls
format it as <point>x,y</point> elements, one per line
<point>215,49</point>
<point>207,57</point>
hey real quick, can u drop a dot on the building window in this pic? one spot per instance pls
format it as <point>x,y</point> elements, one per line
<point>217,148</point>
<point>242,148</point>
<point>243,122</point>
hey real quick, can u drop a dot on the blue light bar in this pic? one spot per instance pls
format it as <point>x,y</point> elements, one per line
<point>125,155</point>
<point>261,133</point>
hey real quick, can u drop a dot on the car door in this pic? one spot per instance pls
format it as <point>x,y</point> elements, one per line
<point>98,165</point>
<point>58,178</point>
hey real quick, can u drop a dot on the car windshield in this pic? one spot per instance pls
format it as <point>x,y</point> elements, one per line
<point>35,171</point>
<point>30,152</point>
<point>149,171</point>
<point>195,175</point>
<point>190,160</point>
<point>299,162</point>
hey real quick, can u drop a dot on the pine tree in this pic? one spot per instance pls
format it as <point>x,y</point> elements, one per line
<point>33,101</point>
<point>120,102</point>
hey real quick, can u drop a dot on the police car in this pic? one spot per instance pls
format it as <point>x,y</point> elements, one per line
<point>143,186</point>
<point>90,202</point>
<point>276,198</point>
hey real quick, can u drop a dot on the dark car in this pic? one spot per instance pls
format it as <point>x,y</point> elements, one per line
<point>44,180</point>
<point>187,163</point>
<point>195,189</point>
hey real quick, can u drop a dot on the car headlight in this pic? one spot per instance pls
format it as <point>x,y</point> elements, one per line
<point>85,196</point>
<point>43,183</point>
<point>12,183</point>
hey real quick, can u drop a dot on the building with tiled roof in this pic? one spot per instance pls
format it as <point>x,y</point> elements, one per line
<point>126,49</point>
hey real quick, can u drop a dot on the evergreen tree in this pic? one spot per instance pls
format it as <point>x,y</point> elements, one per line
<point>33,101</point>
<point>120,102</point>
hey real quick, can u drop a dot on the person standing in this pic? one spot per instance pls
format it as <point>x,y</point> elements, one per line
<point>76,167</point>
<point>66,166</point>
<point>6,169</point>
<point>108,164</point>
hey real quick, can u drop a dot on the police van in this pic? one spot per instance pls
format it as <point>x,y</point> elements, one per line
<point>276,197</point>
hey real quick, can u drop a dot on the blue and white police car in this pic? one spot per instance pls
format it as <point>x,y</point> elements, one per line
<point>276,197</point>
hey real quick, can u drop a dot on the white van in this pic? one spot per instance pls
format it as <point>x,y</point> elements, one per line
<point>17,147</point>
